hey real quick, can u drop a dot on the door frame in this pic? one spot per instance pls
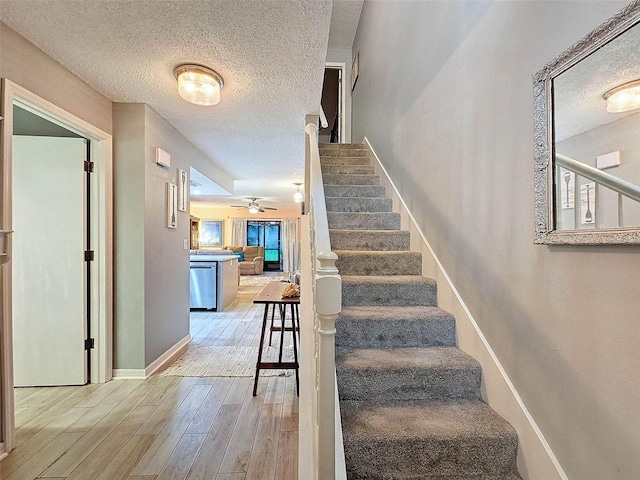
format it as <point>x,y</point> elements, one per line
<point>101,241</point>
<point>343,96</point>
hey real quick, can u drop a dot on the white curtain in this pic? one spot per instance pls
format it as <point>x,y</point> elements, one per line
<point>238,232</point>
<point>290,245</point>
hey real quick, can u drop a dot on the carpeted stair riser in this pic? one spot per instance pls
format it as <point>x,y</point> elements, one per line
<point>328,160</point>
<point>363,221</point>
<point>339,179</point>
<point>351,204</point>
<point>348,170</point>
<point>355,262</point>
<point>398,290</point>
<point>381,240</point>
<point>367,191</point>
<point>392,327</point>
<point>399,374</point>
<point>414,439</point>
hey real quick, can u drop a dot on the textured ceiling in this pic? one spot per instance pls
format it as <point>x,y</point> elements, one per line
<point>345,16</point>
<point>578,102</point>
<point>271,55</point>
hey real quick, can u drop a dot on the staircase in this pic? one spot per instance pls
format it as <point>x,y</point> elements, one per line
<point>410,400</point>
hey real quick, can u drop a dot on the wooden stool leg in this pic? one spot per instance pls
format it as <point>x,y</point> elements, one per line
<point>294,325</point>
<point>283,315</point>
<point>273,313</point>
<point>264,326</point>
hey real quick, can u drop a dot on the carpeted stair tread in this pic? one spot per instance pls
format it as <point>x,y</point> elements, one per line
<point>506,476</point>
<point>354,204</point>
<point>411,440</point>
<point>361,262</point>
<point>393,374</point>
<point>381,240</point>
<point>380,326</point>
<point>368,191</point>
<point>388,290</point>
<point>344,179</point>
<point>363,220</point>
<point>328,160</point>
<point>401,359</point>
<point>348,170</point>
<point>349,152</point>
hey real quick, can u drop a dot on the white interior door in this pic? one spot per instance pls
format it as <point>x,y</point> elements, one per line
<point>49,290</point>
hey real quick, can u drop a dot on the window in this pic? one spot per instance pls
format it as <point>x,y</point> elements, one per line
<point>266,234</point>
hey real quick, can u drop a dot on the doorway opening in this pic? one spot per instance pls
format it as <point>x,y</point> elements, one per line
<point>51,274</point>
<point>267,234</point>
<point>333,103</point>
<point>98,283</point>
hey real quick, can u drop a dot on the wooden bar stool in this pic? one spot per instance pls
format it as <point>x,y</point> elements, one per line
<point>271,295</point>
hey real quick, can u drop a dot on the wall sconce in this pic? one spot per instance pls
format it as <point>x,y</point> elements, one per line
<point>198,84</point>
<point>298,197</point>
<point>623,98</point>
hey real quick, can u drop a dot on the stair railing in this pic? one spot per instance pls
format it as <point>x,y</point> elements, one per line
<point>621,187</point>
<point>327,303</point>
<point>323,118</point>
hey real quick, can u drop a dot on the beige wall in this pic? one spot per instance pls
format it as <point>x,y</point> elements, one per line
<point>152,265</point>
<point>129,236</point>
<point>454,127</point>
<point>24,64</point>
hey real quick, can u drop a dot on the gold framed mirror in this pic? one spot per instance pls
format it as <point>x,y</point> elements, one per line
<point>587,138</point>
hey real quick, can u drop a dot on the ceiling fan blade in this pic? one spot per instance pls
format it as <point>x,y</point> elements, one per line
<point>238,206</point>
<point>268,208</point>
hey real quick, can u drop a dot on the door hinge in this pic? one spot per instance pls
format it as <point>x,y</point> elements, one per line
<point>89,255</point>
<point>89,344</point>
<point>88,167</point>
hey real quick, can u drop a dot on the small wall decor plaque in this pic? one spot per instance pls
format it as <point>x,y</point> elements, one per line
<point>355,70</point>
<point>183,190</point>
<point>172,205</point>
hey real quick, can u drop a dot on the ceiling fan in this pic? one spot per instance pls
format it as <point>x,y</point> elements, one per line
<point>253,206</point>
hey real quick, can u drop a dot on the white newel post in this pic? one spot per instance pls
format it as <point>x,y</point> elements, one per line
<point>328,305</point>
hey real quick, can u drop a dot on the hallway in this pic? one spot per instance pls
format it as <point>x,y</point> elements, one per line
<point>164,428</point>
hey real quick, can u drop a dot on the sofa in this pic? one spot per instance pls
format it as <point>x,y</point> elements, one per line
<point>253,261</point>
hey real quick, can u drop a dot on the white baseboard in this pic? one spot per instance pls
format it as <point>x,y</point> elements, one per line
<point>163,360</point>
<point>128,374</point>
<point>536,460</point>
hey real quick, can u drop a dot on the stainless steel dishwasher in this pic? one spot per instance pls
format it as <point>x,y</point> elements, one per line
<point>203,281</point>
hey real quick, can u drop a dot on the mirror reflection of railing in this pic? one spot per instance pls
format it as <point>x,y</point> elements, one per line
<point>328,455</point>
<point>618,185</point>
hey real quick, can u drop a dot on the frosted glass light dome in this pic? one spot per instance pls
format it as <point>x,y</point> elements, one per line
<point>623,98</point>
<point>198,84</point>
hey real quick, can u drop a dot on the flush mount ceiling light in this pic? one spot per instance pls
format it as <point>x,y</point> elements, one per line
<point>297,197</point>
<point>623,98</point>
<point>198,84</point>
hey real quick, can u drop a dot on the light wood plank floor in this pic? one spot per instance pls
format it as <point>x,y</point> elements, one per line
<point>164,428</point>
